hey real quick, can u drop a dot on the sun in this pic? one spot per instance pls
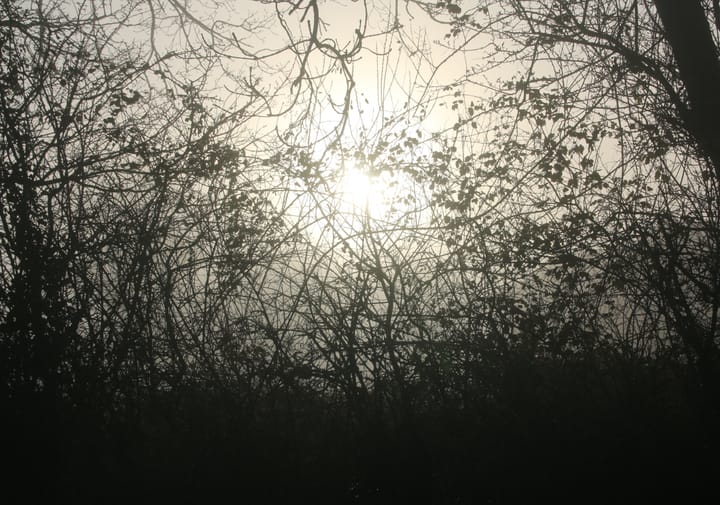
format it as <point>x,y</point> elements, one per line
<point>357,200</point>
<point>360,193</point>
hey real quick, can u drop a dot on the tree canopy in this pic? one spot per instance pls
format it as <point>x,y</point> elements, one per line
<point>360,251</point>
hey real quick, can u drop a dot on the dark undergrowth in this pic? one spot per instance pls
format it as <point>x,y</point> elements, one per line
<point>556,436</point>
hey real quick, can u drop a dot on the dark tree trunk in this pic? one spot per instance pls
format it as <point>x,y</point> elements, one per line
<point>688,32</point>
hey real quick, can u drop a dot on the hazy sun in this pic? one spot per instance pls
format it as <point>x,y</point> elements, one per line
<point>356,199</point>
<point>360,193</point>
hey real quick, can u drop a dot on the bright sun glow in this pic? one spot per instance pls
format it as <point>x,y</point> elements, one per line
<point>360,193</point>
<point>357,199</point>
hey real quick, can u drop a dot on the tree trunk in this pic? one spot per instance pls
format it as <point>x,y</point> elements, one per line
<point>688,32</point>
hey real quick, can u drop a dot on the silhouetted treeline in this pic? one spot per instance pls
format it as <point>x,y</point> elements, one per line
<point>560,430</point>
<point>171,333</point>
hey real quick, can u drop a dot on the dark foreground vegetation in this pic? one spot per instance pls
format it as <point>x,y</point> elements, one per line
<point>560,431</point>
<point>534,318</point>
